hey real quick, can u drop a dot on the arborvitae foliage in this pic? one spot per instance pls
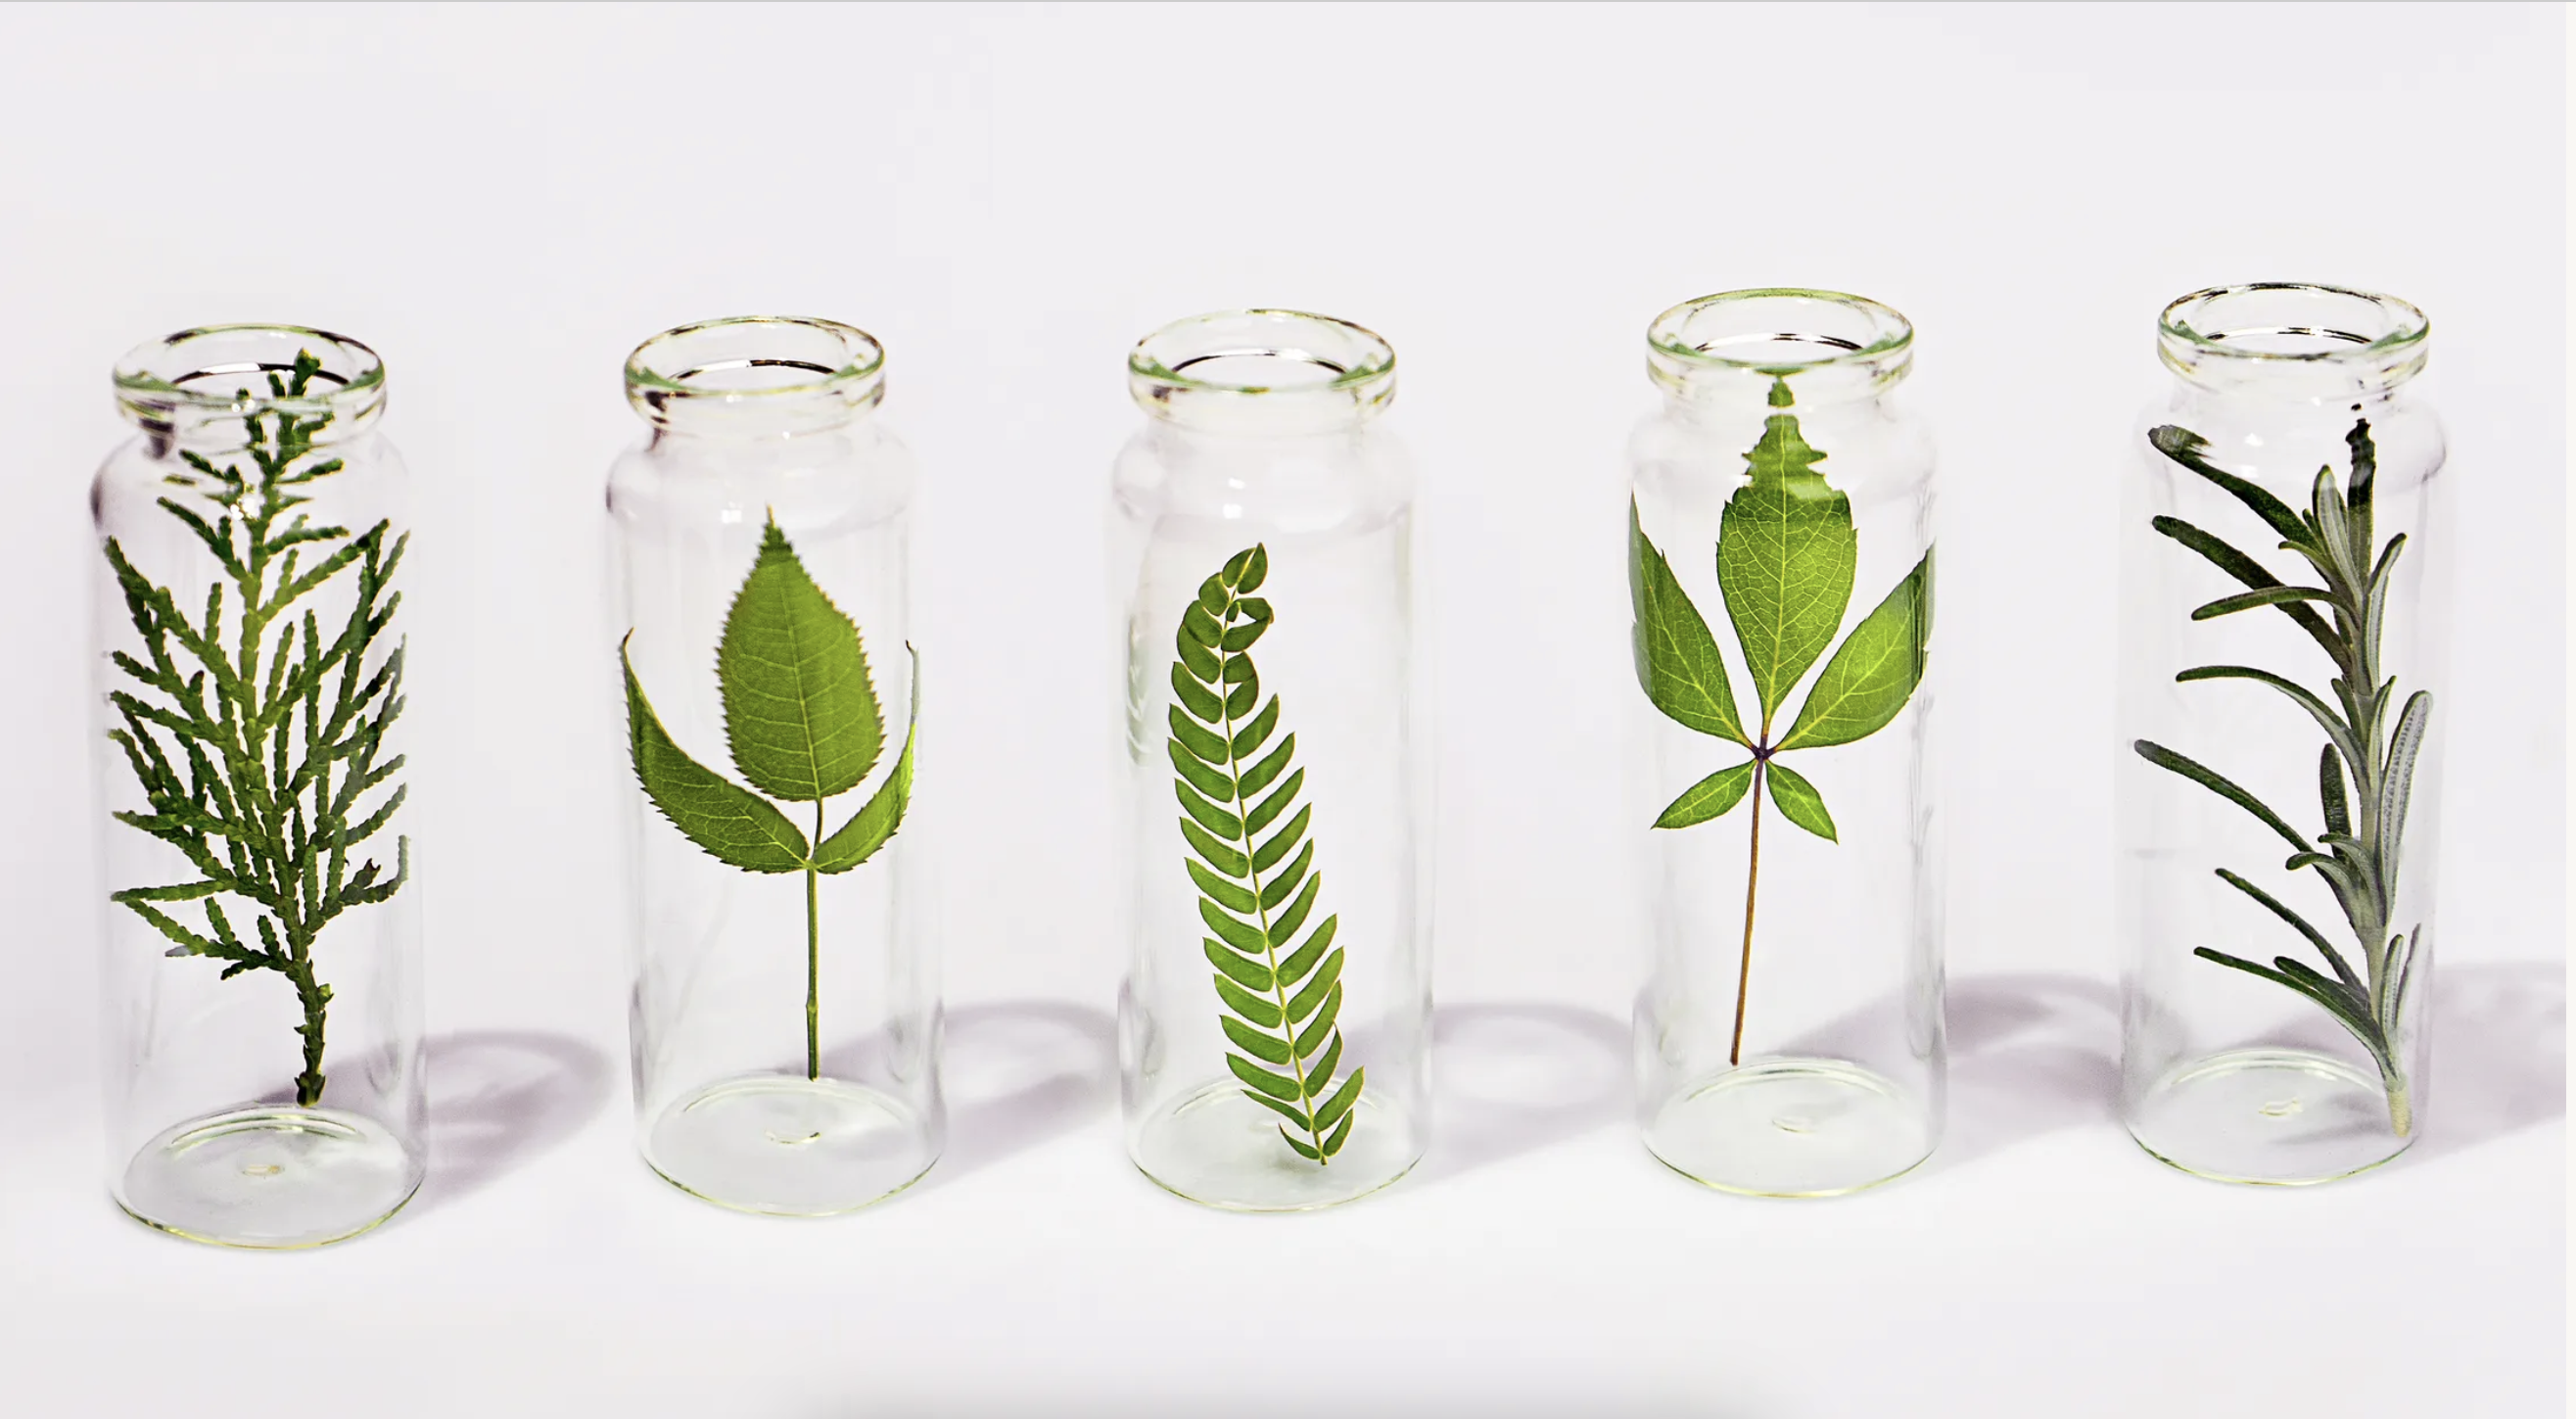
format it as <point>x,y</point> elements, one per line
<point>259,740</point>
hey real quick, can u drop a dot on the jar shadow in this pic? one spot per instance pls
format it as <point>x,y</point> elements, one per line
<point>499,1099</point>
<point>1513,1078</point>
<point>2499,1052</point>
<point>1019,1073</point>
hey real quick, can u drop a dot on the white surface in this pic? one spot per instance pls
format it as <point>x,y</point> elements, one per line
<point>503,201</point>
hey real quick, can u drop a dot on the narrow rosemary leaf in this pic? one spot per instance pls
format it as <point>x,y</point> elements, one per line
<point>2273,905</point>
<point>2208,778</point>
<point>2252,574</point>
<point>2189,449</point>
<point>2249,600</point>
<point>2330,791</point>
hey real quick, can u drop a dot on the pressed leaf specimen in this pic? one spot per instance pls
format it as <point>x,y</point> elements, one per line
<point>803,723</point>
<point>2365,827</point>
<point>1282,999</point>
<point>259,744</point>
<point>1787,553</point>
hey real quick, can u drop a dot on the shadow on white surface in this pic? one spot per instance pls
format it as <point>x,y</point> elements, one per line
<point>1019,1073</point>
<point>2499,1053</point>
<point>2030,1053</point>
<point>500,1098</point>
<point>1510,1079</point>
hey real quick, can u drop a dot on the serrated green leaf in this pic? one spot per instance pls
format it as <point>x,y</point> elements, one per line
<point>731,824</point>
<point>1263,1047</point>
<point>1678,665</point>
<point>1711,797</point>
<point>875,823</point>
<point>1799,801</point>
<point>801,713</point>
<point>1786,553</point>
<point>1874,672</point>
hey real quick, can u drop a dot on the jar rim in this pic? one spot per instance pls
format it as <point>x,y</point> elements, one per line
<point>864,357</point>
<point>1889,332</point>
<point>1190,371</point>
<point>153,389</point>
<point>1372,358</point>
<point>2408,326</point>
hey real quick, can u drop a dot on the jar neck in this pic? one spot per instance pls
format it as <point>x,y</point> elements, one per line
<point>755,378</point>
<point>1777,348</point>
<point>1262,373</point>
<point>226,387</point>
<point>2293,343</point>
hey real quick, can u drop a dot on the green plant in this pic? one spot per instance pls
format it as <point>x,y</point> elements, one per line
<point>1282,1004</point>
<point>2365,830</point>
<point>1786,556</point>
<point>802,721</point>
<point>268,812</point>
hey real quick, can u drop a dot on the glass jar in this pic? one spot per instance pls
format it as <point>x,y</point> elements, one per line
<point>261,958</point>
<point>785,1017</point>
<point>1789,1041</point>
<point>1275,1019</point>
<point>2284,573</point>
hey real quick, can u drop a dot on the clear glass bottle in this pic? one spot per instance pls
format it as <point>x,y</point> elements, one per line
<point>785,1017</point>
<point>2285,569</point>
<point>1275,1021</point>
<point>1789,1042</point>
<point>261,962</point>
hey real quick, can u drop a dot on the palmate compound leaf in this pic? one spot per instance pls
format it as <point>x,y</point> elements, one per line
<point>1798,800</point>
<point>1786,555</point>
<point>1874,672</point>
<point>801,712</point>
<point>1678,665</point>
<point>1254,867</point>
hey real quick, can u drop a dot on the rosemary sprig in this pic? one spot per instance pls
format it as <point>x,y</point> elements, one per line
<point>2364,829</point>
<point>268,808</point>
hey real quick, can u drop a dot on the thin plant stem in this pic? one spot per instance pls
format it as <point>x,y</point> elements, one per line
<point>1752,880</point>
<point>813,962</point>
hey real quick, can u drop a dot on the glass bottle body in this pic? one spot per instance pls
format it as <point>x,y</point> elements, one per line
<point>2274,1002</point>
<point>1789,1041</point>
<point>1275,1019</point>
<point>261,951</point>
<point>784,1017</point>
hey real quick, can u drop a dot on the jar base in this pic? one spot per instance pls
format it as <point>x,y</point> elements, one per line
<point>784,1145</point>
<point>271,1177</point>
<point>1220,1149</point>
<point>1791,1128</point>
<point>2282,1117</point>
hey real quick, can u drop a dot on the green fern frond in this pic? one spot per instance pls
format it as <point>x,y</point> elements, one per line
<point>1254,867</point>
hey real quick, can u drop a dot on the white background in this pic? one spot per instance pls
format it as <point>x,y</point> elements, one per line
<point>504,201</point>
